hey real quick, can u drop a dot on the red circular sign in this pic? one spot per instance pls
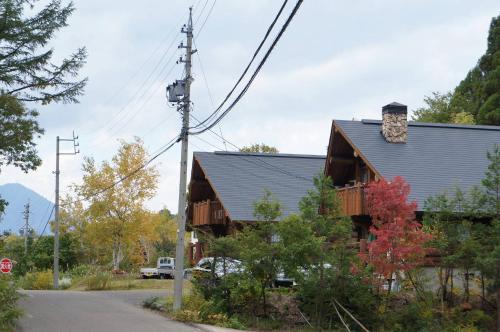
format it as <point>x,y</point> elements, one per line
<point>5,265</point>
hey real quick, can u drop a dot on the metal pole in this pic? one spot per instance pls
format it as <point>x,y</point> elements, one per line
<point>26,226</point>
<point>56,222</point>
<point>181,210</point>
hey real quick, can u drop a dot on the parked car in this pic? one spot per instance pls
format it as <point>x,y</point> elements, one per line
<point>232,266</point>
<point>164,269</point>
<point>282,280</point>
<point>149,272</point>
<point>205,266</point>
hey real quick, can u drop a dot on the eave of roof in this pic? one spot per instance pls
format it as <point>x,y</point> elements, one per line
<point>437,157</point>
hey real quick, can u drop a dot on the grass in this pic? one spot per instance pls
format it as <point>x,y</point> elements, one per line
<point>123,283</point>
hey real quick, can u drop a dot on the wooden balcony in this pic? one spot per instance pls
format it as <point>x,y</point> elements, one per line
<point>353,200</point>
<point>208,213</point>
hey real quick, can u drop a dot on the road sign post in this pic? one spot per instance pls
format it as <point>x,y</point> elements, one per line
<point>5,265</point>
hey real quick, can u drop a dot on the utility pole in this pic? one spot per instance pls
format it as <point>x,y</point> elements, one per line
<point>175,91</point>
<point>26,228</point>
<point>56,207</point>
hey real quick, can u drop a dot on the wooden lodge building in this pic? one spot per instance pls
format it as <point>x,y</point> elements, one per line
<point>433,158</point>
<point>225,185</point>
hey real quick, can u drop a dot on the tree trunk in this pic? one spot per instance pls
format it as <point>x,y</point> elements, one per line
<point>482,291</point>
<point>445,284</point>
<point>264,303</point>
<point>414,285</point>
<point>466,285</point>
<point>389,282</point>
<point>117,255</point>
<point>451,286</point>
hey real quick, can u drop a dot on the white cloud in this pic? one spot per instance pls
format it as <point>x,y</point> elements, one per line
<point>337,60</point>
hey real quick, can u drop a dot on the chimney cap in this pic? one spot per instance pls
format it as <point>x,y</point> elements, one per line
<point>395,107</point>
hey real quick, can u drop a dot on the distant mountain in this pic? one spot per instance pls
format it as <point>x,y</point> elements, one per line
<point>17,196</point>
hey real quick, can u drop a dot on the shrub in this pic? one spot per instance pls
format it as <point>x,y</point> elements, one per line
<point>81,271</point>
<point>194,309</point>
<point>9,311</point>
<point>156,303</point>
<point>98,281</point>
<point>65,283</point>
<point>37,280</point>
<point>186,315</point>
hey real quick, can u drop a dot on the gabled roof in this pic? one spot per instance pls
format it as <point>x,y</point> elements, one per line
<point>240,179</point>
<point>435,159</point>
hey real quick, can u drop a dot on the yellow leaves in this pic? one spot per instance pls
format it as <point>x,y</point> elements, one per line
<point>116,219</point>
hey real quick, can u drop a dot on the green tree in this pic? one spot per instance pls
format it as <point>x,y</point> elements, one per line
<point>491,182</point>
<point>440,109</point>
<point>27,74</point>
<point>476,99</point>
<point>491,258</point>
<point>9,311</point>
<point>479,93</point>
<point>259,248</point>
<point>455,238</point>
<point>225,288</point>
<point>317,250</point>
<point>259,148</point>
<point>164,245</point>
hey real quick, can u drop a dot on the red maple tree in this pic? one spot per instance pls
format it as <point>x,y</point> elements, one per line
<point>399,238</point>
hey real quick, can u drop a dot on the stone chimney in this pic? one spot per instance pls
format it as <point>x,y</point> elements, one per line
<point>395,123</point>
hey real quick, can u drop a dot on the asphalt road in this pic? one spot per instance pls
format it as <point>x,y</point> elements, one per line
<point>54,311</point>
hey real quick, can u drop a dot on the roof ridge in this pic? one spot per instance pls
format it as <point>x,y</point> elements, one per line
<point>270,155</point>
<point>434,125</point>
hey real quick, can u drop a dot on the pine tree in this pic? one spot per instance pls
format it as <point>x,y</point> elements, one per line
<point>479,92</point>
<point>476,100</point>
<point>27,74</point>
<point>491,183</point>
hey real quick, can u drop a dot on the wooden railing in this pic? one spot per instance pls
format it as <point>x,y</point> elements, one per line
<point>208,213</point>
<point>353,200</point>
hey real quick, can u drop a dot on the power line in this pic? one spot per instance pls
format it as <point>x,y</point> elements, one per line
<point>48,220</point>
<point>125,120</point>
<point>264,164</point>
<point>135,171</point>
<point>148,99</point>
<point>201,12</point>
<point>257,70</point>
<point>44,214</point>
<point>158,125</point>
<point>170,34</point>
<point>205,80</point>
<point>160,150</point>
<point>257,175</point>
<point>207,142</point>
<point>224,140</point>
<point>206,18</point>
<point>268,32</point>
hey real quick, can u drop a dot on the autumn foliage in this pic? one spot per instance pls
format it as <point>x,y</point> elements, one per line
<point>399,243</point>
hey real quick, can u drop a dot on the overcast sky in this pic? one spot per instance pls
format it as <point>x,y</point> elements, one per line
<point>339,59</point>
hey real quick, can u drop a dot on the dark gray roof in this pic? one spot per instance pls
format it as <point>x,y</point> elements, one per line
<point>240,179</point>
<point>436,158</point>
